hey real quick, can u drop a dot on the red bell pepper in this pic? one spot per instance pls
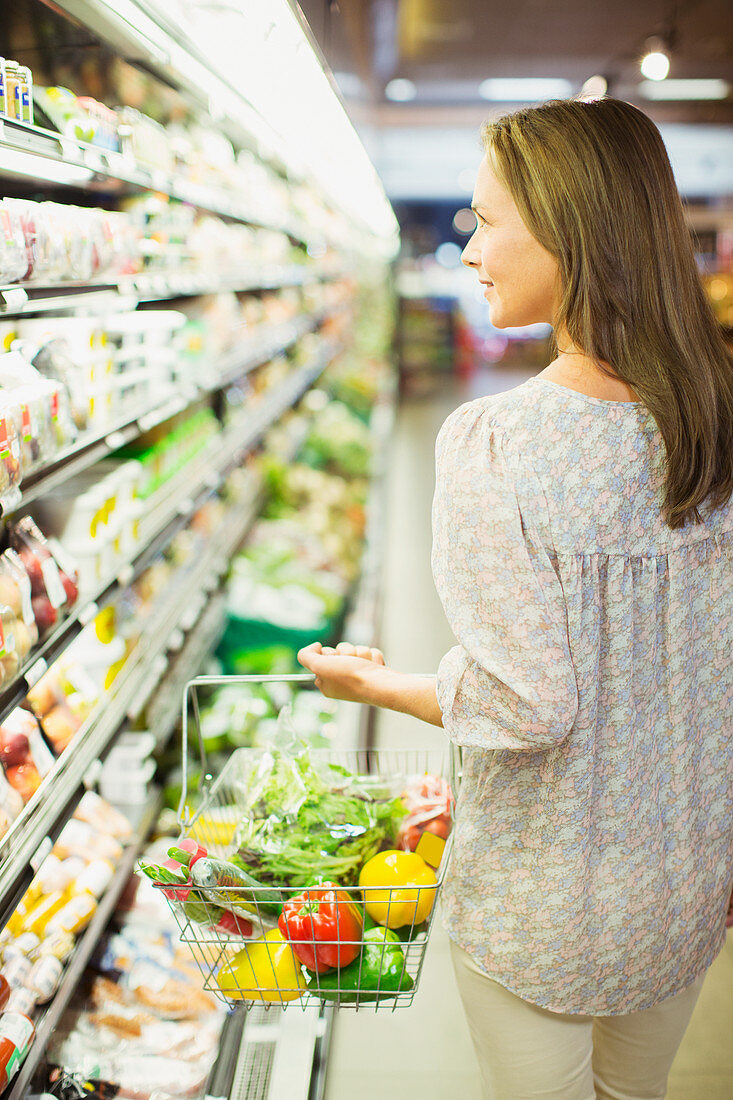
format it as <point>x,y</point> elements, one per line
<point>324,926</point>
<point>233,925</point>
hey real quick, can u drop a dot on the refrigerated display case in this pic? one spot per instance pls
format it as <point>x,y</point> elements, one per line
<point>177,302</point>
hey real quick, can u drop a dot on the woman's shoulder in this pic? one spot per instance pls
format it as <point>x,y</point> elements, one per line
<point>494,414</point>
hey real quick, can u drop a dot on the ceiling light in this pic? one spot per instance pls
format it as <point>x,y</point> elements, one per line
<point>595,87</point>
<point>525,89</point>
<point>18,163</point>
<point>655,62</point>
<point>685,89</point>
<point>400,90</point>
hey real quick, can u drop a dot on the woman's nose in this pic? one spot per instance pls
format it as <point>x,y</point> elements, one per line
<point>470,256</point>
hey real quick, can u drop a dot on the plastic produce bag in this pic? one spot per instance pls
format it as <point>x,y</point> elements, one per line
<point>305,820</point>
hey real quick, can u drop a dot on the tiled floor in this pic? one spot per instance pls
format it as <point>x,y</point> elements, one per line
<point>424,1052</point>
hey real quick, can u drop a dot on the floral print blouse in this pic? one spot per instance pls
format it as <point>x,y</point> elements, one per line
<point>592,695</point>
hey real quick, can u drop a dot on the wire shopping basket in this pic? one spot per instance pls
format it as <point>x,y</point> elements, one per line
<point>344,939</point>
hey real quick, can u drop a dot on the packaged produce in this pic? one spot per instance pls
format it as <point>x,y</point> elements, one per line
<point>24,778</point>
<point>58,944</point>
<point>10,457</point>
<point>15,593</point>
<point>94,879</point>
<point>11,804</point>
<point>23,1001</point>
<point>324,926</point>
<point>13,255</point>
<point>399,888</point>
<point>16,1035</point>
<point>52,587</point>
<point>379,972</point>
<point>304,820</point>
<point>43,911</point>
<point>27,944</point>
<point>44,978</point>
<point>101,816</point>
<point>78,838</point>
<point>21,742</point>
<point>73,916</point>
<point>264,971</point>
<point>16,971</point>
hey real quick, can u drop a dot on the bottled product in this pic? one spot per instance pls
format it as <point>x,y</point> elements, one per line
<point>16,1036</point>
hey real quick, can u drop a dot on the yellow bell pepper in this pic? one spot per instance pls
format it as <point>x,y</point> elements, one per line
<point>265,970</point>
<point>399,888</point>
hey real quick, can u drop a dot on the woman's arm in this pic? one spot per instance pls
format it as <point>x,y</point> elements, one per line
<point>348,673</point>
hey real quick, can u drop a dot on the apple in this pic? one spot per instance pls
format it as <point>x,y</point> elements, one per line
<point>44,613</point>
<point>14,747</point>
<point>32,567</point>
<point>25,778</point>
<point>44,695</point>
<point>60,726</point>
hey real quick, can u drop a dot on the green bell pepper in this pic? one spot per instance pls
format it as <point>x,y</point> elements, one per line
<point>377,973</point>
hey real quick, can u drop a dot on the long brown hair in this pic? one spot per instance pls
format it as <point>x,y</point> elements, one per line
<point>594,186</point>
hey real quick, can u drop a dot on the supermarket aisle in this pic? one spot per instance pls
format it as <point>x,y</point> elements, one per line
<point>424,1052</point>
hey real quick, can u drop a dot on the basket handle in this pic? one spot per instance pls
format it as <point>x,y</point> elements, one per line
<point>190,696</point>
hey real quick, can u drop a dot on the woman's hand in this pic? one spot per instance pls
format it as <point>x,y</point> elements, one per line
<point>346,672</point>
<point>359,675</point>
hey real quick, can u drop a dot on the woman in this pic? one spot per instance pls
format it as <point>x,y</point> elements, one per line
<point>583,553</point>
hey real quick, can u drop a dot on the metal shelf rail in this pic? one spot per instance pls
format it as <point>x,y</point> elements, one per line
<point>34,145</point>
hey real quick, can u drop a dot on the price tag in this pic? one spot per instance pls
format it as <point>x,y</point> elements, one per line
<point>14,298</point>
<point>88,613</point>
<point>115,440</point>
<point>35,672</point>
<point>61,556</point>
<point>125,575</point>
<point>93,160</point>
<point>43,849</point>
<point>52,580</point>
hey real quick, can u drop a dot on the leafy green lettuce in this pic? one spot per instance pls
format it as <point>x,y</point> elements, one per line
<point>308,821</point>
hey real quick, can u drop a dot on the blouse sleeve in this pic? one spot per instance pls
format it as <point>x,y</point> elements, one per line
<point>510,683</point>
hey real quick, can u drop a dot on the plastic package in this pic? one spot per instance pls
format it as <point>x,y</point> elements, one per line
<point>13,253</point>
<point>16,593</point>
<point>21,742</point>
<point>52,588</point>
<point>101,816</point>
<point>11,469</point>
<point>11,804</point>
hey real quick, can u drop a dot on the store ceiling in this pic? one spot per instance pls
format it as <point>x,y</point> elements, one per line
<point>448,47</point>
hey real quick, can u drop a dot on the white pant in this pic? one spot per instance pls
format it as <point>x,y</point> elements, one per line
<point>526,1052</point>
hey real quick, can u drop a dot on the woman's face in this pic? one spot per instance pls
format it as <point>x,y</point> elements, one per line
<point>521,279</point>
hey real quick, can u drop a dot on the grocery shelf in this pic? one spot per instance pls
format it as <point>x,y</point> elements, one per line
<point>33,148</point>
<point>95,446</point>
<point>28,835</point>
<point>17,299</point>
<point>46,1024</point>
